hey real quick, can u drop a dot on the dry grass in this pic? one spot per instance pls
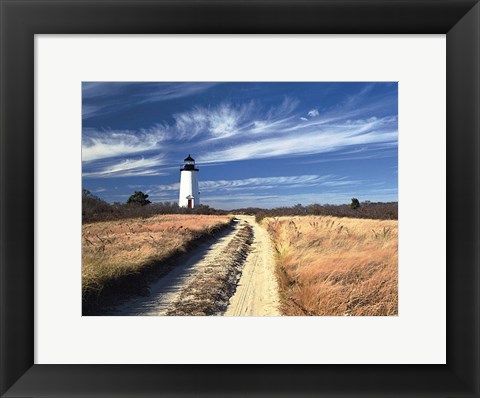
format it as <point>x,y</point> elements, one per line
<point>113,249</point>
<point>336,266</point>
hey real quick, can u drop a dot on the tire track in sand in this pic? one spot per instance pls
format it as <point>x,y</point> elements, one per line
<point>257,290</point>
<point>167,290</point>
<point>255,295</point>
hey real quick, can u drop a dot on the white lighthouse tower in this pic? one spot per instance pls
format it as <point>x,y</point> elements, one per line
<point>189,195</point>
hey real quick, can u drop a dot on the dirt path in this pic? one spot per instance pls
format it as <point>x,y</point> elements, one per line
<point>257,290</point>
<point>184,291</point>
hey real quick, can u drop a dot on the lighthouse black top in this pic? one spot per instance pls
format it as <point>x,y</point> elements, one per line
<point>188,164</point>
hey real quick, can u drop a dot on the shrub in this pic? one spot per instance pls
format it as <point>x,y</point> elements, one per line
<point>138,198</point>
<point>259,216</point>
<point>355,204</point>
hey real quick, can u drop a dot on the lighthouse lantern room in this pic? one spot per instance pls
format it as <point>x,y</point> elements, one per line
<point>189,195</point>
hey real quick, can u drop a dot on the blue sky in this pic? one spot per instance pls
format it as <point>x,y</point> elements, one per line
<point>256,144</point>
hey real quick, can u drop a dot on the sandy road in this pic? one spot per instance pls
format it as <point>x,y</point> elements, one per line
<point>168,289</point>
<point>257,290</point>
<point>255,295</point>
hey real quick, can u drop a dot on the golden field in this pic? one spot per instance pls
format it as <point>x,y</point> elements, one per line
<point>336,266</point>
<point>113,249</point>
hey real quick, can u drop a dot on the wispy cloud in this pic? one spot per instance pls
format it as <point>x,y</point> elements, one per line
<point>302,181</point>
<point>238,131</point>
<point>213,124</point>
<point>218,122</point>
<point>97,144</point>
<point>261,183</point>
<point>129,168</point>
<point>107,97</point>
<point>253,139</point>
<point>310,139</point>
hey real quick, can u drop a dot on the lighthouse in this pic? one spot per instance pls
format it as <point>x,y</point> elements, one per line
<point>189,195</point>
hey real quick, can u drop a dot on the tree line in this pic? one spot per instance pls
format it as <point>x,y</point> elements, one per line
<point>356,209</point>
<point>138,205</point>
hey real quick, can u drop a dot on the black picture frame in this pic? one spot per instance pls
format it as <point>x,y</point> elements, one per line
<point>22,19</point>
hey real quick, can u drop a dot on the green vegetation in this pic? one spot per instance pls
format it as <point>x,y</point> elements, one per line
<point>138,199</point>
<point>355,204</point>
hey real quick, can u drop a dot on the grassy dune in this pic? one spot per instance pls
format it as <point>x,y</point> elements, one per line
<point>336,266</point>
<point>114,249</point>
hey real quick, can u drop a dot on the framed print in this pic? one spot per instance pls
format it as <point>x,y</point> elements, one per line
<point>53,72</point>
<point>230,127</point>
<point>277,107</point>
